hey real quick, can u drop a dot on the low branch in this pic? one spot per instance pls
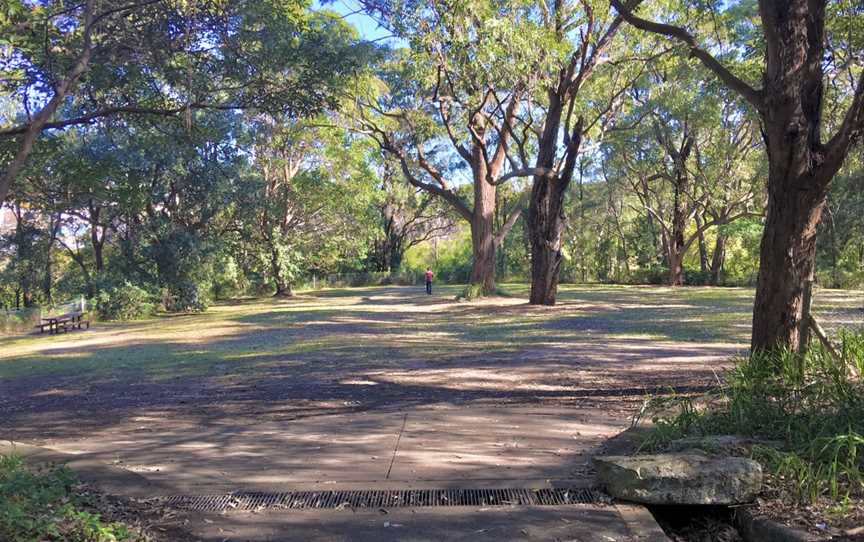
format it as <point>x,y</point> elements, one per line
<point>525,172</point>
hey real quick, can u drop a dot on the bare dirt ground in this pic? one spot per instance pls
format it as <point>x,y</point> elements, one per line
<point>370,387</point>
<point>348,351</point>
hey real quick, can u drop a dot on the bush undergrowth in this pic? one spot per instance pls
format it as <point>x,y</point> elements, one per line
<point>43,505</point>
<point>124,301</point>
<point>808,410</point>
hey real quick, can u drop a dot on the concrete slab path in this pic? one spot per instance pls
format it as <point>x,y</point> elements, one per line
<point>444,445</point>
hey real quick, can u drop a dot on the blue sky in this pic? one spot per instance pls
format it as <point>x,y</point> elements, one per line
<point>367,27</point>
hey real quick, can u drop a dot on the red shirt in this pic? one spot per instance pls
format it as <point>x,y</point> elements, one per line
<point>429,275</point>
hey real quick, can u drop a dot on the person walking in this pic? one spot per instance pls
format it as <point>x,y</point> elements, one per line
<point>429,276</point>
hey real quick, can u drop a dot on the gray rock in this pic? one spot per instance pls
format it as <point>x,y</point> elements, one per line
<point>686,478</point>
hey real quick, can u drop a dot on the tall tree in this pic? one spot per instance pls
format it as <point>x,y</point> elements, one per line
<point>587,34</point>
<point>71,64</point>
<point>457,93</point>
<point>801,164</point>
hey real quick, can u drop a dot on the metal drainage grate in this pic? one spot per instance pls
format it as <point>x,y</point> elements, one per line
<point>383,498</point>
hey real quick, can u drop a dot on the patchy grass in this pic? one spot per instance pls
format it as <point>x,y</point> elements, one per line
<point>399,324</point>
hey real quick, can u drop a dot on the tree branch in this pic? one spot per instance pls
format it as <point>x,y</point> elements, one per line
<point>753,96</point>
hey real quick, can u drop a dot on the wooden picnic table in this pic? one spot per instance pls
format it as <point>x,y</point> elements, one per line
<point>63,321</point>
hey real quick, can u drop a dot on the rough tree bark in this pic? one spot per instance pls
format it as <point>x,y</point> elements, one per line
<point>546,219</point>
<point>800,165</point>
<point>717,259</point>
<point>483,232</point>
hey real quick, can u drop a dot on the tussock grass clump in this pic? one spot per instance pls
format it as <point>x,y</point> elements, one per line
<point>807,409</point>
<point>471,292</point>
<point>43,505</point>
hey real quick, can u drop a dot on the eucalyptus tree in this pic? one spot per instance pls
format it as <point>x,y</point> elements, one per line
<point>685,154</point>
<point>308,198</point>
<point>69,64</point>
<point>580,88</point>
<point>811,51</point>
<point>455,95</point>
<point>407,218</point>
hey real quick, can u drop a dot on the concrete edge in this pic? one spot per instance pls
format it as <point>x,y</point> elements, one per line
<point>756,529</point>
<point>641,523</point>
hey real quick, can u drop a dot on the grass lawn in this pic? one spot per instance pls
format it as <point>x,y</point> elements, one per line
<point>396,324</point>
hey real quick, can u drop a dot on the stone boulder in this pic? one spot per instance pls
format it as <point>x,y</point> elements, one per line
<point>686,478</point>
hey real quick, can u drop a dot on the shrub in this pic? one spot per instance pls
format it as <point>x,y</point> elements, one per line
<point>813,404</point>
<point>43,505</point>
<point>649,275</point>
<point>123,302</point>
<point>696,277</point>
<point>17,321</point>
<point>189,296</point>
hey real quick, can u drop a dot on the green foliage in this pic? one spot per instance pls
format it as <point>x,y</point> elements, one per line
<point>123,301</point>
<point>812,404</point>
<point>450,259</point>
<point>654,274</point>
<point>43,505</point>
<point>696,277</point>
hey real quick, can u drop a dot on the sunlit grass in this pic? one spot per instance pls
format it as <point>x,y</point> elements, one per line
<point>389,326</point>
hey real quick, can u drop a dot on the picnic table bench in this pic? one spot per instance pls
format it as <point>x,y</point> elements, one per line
<point>64,322</point>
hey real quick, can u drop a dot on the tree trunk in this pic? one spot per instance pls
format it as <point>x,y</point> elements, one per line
<point>283,287</point>
<point>96,241</point>
<point>546,223</point>
<point>546,220</point>
<point>395,254</point>
<point>718,258</point>
<point>28,298</point>
<point>799,171</point>
<point>483,227</point>
<point>703,249</point>
<point>676,266</point>
<point>545,250</point>
<point>48,280</point>
<point>679,210</point>
<point>787,259</point>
